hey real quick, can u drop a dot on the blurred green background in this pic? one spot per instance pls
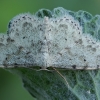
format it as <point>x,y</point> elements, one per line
<point>10,85</point>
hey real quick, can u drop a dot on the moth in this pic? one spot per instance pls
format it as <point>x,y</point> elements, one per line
<point>48,39</point>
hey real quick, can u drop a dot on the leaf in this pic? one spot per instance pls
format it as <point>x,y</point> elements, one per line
<point>60,84</point>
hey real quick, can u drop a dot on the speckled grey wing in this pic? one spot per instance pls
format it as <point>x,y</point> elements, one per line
<point>60,40</point>
<point>72,49</point>
<point>23,42</point>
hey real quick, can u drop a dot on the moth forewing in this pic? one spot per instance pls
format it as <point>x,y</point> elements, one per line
<point>57,39</point>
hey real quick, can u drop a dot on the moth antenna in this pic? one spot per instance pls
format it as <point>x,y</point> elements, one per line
<point>56,71</point>
<point>61,75</point>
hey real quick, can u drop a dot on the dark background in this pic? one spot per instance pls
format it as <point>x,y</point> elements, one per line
<point>10,85</point>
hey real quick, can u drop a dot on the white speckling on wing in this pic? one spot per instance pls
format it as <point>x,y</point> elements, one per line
<point>45,42</point>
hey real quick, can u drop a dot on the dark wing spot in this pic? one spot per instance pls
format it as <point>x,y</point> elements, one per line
<point>74,66</point>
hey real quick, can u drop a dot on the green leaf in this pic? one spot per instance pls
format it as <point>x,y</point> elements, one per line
<point>60,84</point>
